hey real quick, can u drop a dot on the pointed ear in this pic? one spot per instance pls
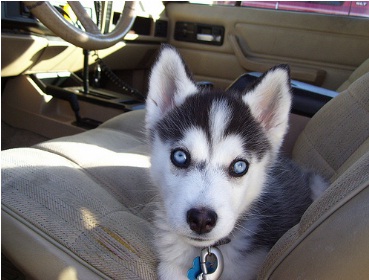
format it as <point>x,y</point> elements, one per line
<point>270,102</point>
<point>169,85</point>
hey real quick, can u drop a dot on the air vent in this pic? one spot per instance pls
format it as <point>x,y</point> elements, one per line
<point>161,28</point>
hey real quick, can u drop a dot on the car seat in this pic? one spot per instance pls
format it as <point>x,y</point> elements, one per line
<point>80,207</point>
<point>332,239</point>
<point>360,71</point>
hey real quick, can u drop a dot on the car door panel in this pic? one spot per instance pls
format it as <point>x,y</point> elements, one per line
<point>261,63</point>
<point>316,46</point>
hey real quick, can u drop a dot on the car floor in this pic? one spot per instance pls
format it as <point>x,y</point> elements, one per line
<point>12,137</point>
<point>9,271</point>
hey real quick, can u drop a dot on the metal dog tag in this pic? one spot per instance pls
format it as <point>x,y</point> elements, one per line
<point>209,266</point>
<point>215,269</point>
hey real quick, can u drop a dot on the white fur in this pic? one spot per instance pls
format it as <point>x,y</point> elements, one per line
<point>317,185</point>
<point>164,94</point>
<point>219,118</point>
<point>270,104</point>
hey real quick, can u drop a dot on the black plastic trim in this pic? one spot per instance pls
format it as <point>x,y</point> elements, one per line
<point>307,99</point>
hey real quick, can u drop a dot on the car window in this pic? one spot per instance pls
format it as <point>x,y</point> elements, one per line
<point>345,8</point>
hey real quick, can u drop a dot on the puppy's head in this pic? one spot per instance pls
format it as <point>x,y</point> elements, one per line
<point>210,151</point>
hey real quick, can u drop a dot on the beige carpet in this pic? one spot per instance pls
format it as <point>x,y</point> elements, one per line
<point>12,137</point>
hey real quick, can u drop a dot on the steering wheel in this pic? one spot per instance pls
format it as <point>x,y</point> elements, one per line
<point>91,39</point>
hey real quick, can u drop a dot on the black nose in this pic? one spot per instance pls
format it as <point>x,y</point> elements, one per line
<point>201,220</point>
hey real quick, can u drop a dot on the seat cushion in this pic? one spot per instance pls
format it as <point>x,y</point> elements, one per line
<point>86,214</point>
<point>338,135</point>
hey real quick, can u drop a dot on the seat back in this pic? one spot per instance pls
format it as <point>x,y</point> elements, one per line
<point>337,136</point>
<point>332,239</point>
<point>360,71</point>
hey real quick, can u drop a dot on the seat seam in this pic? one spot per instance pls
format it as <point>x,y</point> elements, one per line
<point>358,101</point>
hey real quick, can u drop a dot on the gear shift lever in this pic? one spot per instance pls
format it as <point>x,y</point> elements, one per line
<point>85,72</point>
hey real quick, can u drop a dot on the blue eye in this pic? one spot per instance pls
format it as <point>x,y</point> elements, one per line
<point>180,158</point>
<point>238,168</point>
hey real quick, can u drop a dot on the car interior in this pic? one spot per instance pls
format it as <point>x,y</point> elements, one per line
<point>77,202</point>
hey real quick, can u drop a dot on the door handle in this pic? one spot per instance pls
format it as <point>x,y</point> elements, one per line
<point>199,33</point>
<point>208,37</point>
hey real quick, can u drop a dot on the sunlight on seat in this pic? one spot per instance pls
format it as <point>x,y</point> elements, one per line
<point>134,160</point>
<point>89,219</point>
<point>69,273</point>
<point>123,160</point>
<point>89,155</point>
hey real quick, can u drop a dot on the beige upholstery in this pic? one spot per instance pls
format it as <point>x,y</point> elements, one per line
<point>81,206</point>
<point>332,239</point>
<point>87,199</point>
<point>360,71</point>
<point>338,134</point>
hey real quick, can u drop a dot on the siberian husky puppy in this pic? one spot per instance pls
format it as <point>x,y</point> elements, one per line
<point>216,165</point>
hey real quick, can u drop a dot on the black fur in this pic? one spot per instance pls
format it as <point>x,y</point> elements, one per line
<point>285,199</point>
<point>194,112</point>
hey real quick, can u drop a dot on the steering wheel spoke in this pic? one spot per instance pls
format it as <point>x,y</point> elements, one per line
<point>83,17</point>
<point>91,38</point>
